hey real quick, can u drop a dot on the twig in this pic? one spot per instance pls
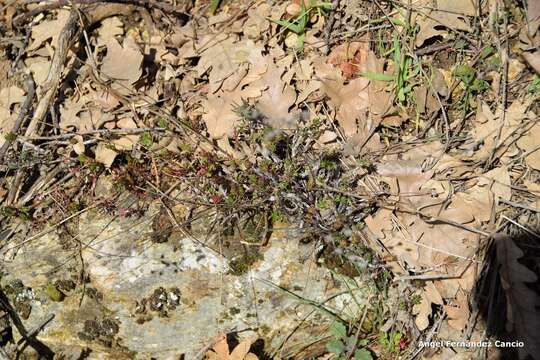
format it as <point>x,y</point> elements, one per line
<point>503,53</point>
<point>25,109</point>
<point>41,348</point>
<point>53,227</point>
<point>171,9</point>
<point>521,206</point>
<point>521,226</point>
<point>98,132</point>
<point>433,48</point>
<point>330,24</point>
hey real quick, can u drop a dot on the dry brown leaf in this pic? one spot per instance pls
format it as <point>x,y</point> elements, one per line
<point>8,96</point>
<point>104,100</point>
<point>498,181</point>
<point>126,123</point>
<point>11,95</point>
<point>126,143</point>
<point>224,58</point>
<point>487,125</point>
<point>409,174</point>
<point>69,118</point>
<point>533,59</point>
<point>478,200</point>
<point>122,63</point>
<point>522,302</point>
<point>445,13</point>
<point>48,29</point>
<point>39,67</point>
<point>257,21</point>
<point>220,350</point>
<point>380,222</point>
<point>426,101</point>
<point>417,242</point>
<point>533,16</point>
<point>458,313</point>
<point>429,295</point>
<point>110,28</point>
<point>219,115</point>
<point>530,144</point>
<point>105,155</point>
<point>94,118</point>
<point>351,102</point>
<point>77,142</point>
<point>277,99</point>
<point>350,57</point>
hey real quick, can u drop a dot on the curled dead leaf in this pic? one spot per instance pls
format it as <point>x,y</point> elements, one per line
<point>105,155</point>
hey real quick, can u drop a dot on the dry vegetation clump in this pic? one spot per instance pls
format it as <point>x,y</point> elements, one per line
<point>399,138</point>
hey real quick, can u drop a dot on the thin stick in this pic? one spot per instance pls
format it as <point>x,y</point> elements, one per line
<point>98,131</point>
<point>25,109</point>
<point>171,9</point>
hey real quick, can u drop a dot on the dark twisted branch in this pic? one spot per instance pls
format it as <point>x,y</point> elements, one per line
<point>20,19</point>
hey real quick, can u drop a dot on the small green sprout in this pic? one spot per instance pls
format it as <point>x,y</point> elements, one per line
<point>299,24</point>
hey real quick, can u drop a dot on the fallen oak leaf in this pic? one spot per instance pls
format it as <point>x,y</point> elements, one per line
<point>350,57</point>
<point>446,13</point>
<point>530,144</point>
<point>122,63</point>
<point>105,155</point>
<point>220,350</point>
<point>428,295</point>
<point>277,99</point>
<point>459,312</point>
<point>351,102</point>
<point>48,29</point>
<point>533,59</point>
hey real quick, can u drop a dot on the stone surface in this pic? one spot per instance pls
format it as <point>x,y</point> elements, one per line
<point>144,298</point>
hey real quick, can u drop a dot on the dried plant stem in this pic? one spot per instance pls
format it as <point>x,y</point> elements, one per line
<point>25,109</point>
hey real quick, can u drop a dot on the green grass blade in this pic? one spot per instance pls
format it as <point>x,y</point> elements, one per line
<point>214,6</point>
<point>378,76</point>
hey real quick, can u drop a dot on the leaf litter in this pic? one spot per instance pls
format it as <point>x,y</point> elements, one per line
<point>440,170</point>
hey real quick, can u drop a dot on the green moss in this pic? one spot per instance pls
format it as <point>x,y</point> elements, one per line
<point>54,293</point>
<point>240,265</point>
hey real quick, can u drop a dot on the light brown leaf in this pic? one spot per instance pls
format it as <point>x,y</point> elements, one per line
<point>277,99</point>
<point>224,58</point>
<point>48,29</point>
<point>257,21</point>
<point>447,13</point>
<point>533,59</point>
<point>530,144</point>
<point>533,16</point>
<point>351,102</point>
<point>241,350</point>
<point>221,347</point>
<point>11,95</point>
<point>110,28</point>
<point>105,155</point>
<point>69,118</point>
<point>498,181</point>
<point>77,143</point>
<point>126,142</point>
<point>379,222</point>
<point>458,313</point>
<point>122,63</point>
<point>39,67</point>
<point>429,295</point>
<point>219,115</point>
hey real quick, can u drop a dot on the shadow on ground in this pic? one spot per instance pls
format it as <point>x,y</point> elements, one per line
<point>508,295</point>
